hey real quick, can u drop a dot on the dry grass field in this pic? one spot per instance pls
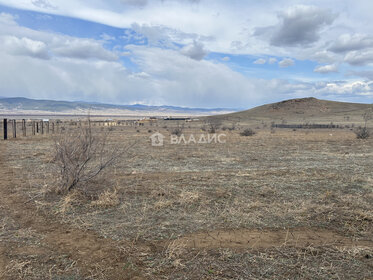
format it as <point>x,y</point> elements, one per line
<point>280,204</point>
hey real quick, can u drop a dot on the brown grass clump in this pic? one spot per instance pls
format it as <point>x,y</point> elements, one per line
<point>187,197</point>
<point>68,202</point>
<point>19,269</point>
<point>106,199</point>
<point>248,132</point>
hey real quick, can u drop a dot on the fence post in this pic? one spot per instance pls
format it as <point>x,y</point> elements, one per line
<point>33,127</point>
<point>37,127</point>
<point>42,127</point>
<point>48,127</point>
<point>53,127</point>
<point>24,127</point>
<point>5,129</point>
<point>14,129</point>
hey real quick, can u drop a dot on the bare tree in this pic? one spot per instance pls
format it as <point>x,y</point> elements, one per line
<point>81,155</point>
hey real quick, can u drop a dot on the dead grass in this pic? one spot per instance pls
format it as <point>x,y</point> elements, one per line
<point>106,199</point>
<point>318,180</point>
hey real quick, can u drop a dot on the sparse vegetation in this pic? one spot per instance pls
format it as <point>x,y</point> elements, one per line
<point>178,130</point>
<point>248,132</point>
<point>80,156</point>
<point>213,125</point>
<point>237,210</point>
<point>363,132</point>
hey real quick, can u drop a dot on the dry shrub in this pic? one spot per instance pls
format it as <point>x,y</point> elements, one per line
<point>214,125</point>
<point>80,156</point>
<point>175,249</point>
<point>106,199</point>
<point>247,132</point>
<point>362,133</point>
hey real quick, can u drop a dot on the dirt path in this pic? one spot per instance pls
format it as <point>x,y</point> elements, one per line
<point>255,239</point>
<point>90,252</point>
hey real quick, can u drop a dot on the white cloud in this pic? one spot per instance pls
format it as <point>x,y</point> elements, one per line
<point>348,42</point>
<point>7,19</point>
<point>83,49</point>
<point>18,40</point>
<point>24,46</point>
<point>359,57</point>
<point>286,62</point>
<point>260,61</point>
<point>83,69</point>
<point>347,88</point>
<point>195,51</point>
<point>106,37</point>
<point>300,26</point>
<point>43,4</point>
<point>139,3</point>
<point>365,74</point>
<point>324,69</point>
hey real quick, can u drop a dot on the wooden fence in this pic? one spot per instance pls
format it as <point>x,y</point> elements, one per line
<point>23,128</point>
<point>11,128</point>
<point>307,126</point>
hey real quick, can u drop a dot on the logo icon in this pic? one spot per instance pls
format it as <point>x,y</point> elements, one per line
<point>157,139</point>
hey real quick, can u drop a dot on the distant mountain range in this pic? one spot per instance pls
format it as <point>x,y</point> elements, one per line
<point>26,106</point>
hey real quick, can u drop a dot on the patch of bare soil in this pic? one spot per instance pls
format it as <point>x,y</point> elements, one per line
<point>255,239</point>
<point>93,255</point>
<point>3,261</point>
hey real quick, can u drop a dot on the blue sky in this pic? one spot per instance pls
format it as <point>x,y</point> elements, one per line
<point>235,54</point>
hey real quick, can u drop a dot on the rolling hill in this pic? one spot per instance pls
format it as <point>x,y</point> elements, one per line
<point>301,111</point>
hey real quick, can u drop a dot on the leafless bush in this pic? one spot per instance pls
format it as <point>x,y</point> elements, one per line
<point>80,155</point>
<point>214,125</point>
<point>247,132</point>
<point>362,133</point>
<point>178,130</point>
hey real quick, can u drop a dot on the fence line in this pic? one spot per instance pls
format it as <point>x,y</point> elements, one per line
<point>306,126</point>
<point>37,127</point>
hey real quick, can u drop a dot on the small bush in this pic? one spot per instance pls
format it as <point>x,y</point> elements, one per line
<point>177,131</point>
<point>80,156</point>
<point>248,132</point>
<point>362,133</point>
<point>212,129</point>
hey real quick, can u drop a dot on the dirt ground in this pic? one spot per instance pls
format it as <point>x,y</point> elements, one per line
<point>281,204</point>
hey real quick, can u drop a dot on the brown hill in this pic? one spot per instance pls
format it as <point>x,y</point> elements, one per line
<point>302,110</point>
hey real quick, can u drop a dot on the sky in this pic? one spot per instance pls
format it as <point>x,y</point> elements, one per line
<point>191,53</point>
